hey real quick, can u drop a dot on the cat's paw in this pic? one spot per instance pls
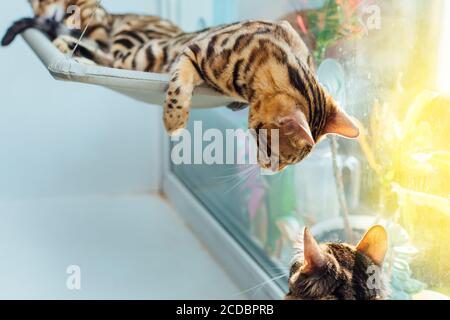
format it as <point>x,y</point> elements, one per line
<point>175,116</point>
<point>179,96</point>
<point>62,45</point>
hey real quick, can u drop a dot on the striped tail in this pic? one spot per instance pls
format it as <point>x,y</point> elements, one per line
<point>17,28</point>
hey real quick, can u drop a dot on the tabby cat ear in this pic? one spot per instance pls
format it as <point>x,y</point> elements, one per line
<point>314,258</point>
<point>374,244</point>
<point>296,124</point>
<point>34,4</point>
<point>341,124</point>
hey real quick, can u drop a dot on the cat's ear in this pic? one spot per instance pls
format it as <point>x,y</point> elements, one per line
<point>374,244</point>
<point>314,257</point>
<point>296,124</point>
<point>34,5</point>
<point>341,124</point>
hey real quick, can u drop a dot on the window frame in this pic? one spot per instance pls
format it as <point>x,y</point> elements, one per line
<point>228,252</point>
<point>237,262</point>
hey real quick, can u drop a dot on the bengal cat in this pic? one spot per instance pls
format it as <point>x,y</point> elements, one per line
<point>260,63</point>
<point>338,271</point>
<point>266,65</point>
<point>70,18</point>
<point>109,38</point>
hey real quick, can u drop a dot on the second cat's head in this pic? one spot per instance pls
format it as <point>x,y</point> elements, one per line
<point>51,9</point>
<point>338,271</point>
<point>299,125</point>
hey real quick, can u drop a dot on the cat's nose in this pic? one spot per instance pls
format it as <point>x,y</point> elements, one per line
<point>303,143</point>
<point>273,168</point>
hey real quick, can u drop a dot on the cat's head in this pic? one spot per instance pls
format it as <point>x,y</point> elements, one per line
<point>338,271</point>
<point>299,123</point>
<point>54,9</point>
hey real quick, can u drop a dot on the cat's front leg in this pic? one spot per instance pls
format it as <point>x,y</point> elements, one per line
<point>179,95</point>
<point>63,44</point>
<point>84,51</point>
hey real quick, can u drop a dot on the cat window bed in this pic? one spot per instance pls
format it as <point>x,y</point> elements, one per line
<point>142,86</point>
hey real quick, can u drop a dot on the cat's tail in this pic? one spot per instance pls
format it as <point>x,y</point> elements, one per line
<point>17,28</point>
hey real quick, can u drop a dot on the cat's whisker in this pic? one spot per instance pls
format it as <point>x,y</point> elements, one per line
<point>237,178</point>
<point>230,179</point>
<point>235,173</point>
<point>244,177</point>
<point>284,269</point>
<point>239,183</point>
<point>261,285</point>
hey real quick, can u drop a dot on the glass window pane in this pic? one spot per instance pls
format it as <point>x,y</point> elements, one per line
<point>382,60</point>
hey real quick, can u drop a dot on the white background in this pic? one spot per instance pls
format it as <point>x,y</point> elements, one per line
<point>60,139</point>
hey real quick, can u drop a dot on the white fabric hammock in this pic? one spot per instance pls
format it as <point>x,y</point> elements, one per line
<point>142,86</point>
